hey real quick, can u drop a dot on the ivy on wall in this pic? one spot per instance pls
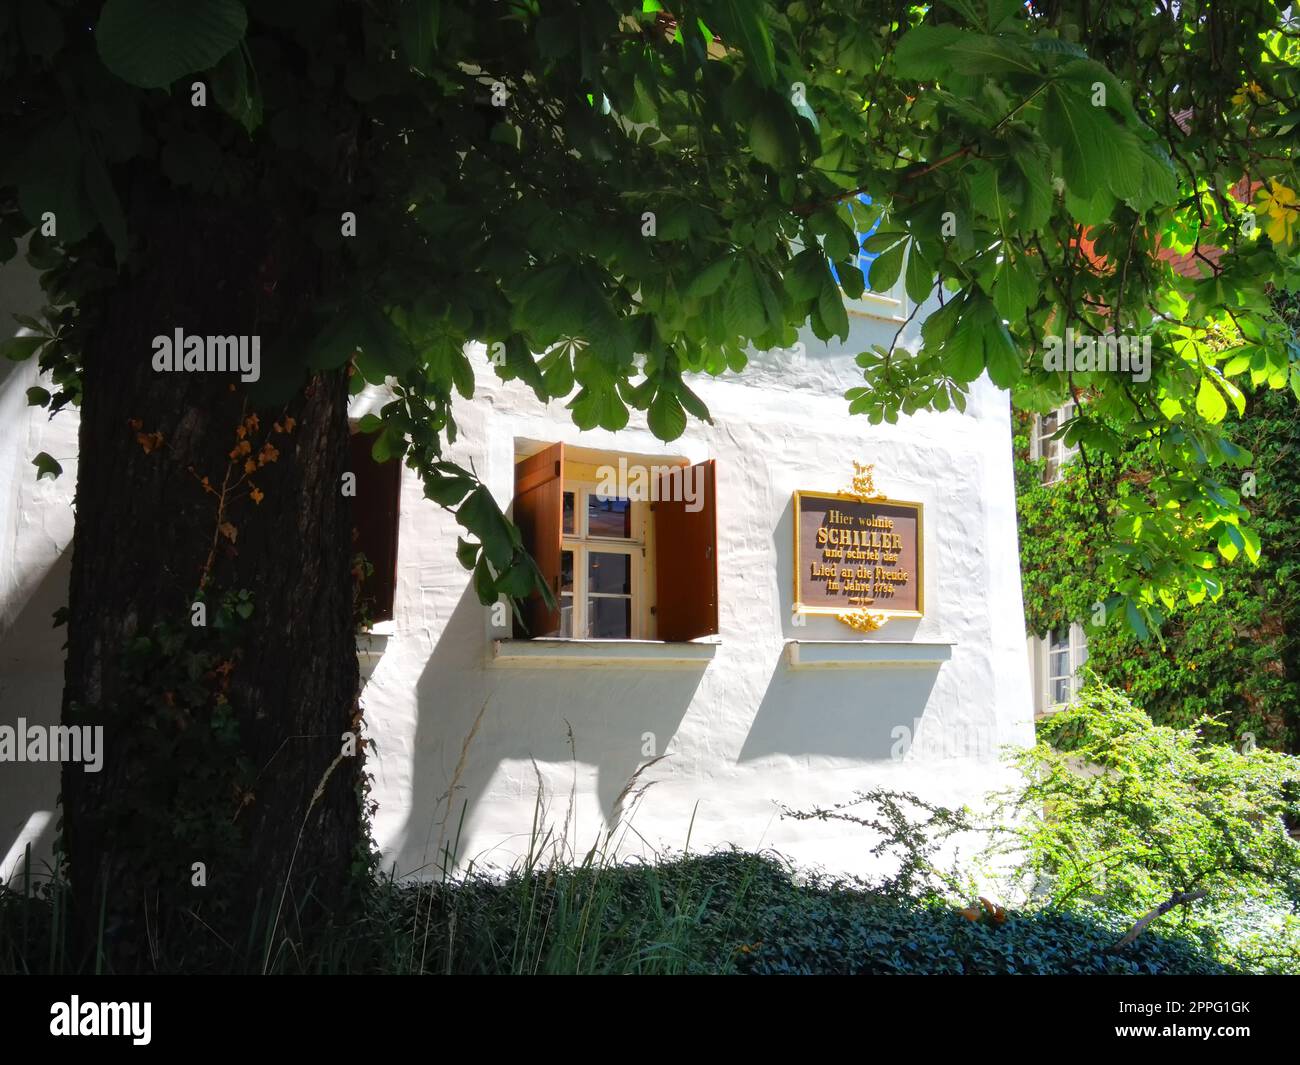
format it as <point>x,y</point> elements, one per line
<point>1236,658</point>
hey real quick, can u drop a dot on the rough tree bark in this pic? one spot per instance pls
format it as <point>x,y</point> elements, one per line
<point>274,803</point>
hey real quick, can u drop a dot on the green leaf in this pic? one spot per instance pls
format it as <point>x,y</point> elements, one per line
<point>1210,403</point>
<point>1091,143</point>
<point>693,404</point>
<point>1227,548</point>
<point>1002,355</point>
<point>1136,620</point>
<point>743,24</point>
<point>231,90</point>
<point>852,281</point>
<point>484,587</point>
<point>666,417</point>
<point>151,43</point>
<point>773,137</point>
<point>885,268</point>
<point>481,516</point>
<point>1250,539</point>
<point>710,278</point>
<point>46,466</point>
<point>977,53</point>
<point>806,274</point>
<point>962,355</point>
<point>417,25</point>
<point>743,311</point>
<point>919,279</point>
<point>922,52</point>
<point>830,305</point>
<point>466,552</point>
<point>38,396</point>
<point>16,349</point>
<point>518,580</point>
<point>447,491</point>
<point>1014,288</point>
<point>1036,204</point>
<point>938,326</point>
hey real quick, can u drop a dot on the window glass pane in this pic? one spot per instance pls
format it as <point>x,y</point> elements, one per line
<point>1059,665</point>
<point>566,571</point>
<point>1060,639</point>
<point>609,517</point>
<point>1061,690</point>
<point>566,615</point>
<point>609,619</point>
<point>609,572</point>
<point>570,512</point>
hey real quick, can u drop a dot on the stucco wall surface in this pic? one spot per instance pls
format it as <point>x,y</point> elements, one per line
<point>464,746</point>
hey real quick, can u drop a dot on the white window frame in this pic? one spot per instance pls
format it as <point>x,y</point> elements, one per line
<point>581,543</point>
<point>1075,650</point>
<point>1056,452</point>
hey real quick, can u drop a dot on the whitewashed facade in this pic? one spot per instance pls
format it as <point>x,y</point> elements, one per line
<point>776,709</point>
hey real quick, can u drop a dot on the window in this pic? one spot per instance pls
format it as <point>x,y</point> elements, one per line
<point>1043,446</point>
<point>637,565</point>
<point>374,529</point>
<point>601,565</point>
<point>1062,655</point>
<point>891,304</point>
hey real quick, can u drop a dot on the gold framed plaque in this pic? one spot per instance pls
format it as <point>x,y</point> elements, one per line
<point>852,555</point>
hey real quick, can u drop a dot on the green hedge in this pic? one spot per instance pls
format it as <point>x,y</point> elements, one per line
<point>734,912</point>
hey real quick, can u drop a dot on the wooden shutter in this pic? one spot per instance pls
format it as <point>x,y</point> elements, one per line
<point>539,514</point>
<point>374,525</point>
<point>686,558</point>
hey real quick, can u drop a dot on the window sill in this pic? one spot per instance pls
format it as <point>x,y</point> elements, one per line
<point>559,652</point>
<point>864,654</point>
<point>371,646</point>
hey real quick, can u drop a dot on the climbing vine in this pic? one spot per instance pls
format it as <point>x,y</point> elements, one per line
<point>1237,657</point>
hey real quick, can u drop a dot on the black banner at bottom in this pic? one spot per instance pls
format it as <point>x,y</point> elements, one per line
<point>336,1014</point>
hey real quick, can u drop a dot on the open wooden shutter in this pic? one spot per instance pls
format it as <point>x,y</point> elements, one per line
<point>539,514</point>
<point>686,557</point>
<point>374,525</point>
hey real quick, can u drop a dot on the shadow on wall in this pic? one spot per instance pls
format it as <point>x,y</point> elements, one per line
<point>806,712</point>
<point>31,687</point>
<point>527,714</point>
<point>848,713</point>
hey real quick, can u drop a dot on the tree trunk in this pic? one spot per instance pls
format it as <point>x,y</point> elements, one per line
<point>221,740</point>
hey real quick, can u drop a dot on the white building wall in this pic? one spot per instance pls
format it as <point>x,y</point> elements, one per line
<point>36,519</point>
<point>742,734</point>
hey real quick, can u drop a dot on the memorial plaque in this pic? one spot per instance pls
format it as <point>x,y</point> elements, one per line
<point>850,555</point>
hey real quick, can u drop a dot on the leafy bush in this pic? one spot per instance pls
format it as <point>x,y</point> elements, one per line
<point>1236,657</point>
<point>727,912</point>
<point>1119,812</point>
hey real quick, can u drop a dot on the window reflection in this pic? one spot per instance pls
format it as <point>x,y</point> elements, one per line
<point>609,573</point>
<point>609,619</point>
<point>610,516</point>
